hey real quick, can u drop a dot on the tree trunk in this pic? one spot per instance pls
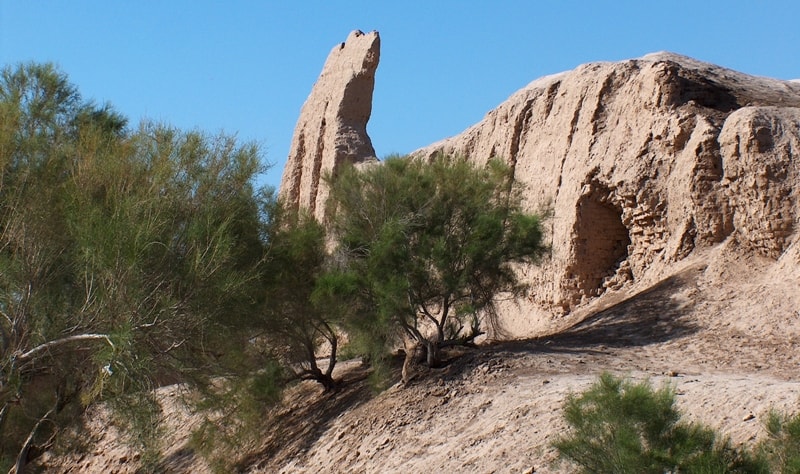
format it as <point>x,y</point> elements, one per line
<point>327,382</point>
<point>22,457</point>
<point>410,346</point>
<point>433,353</point>
<point>332,357</point>
<point>324,379</point>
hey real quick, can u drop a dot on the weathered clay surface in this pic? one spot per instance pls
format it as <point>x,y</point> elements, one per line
<point>332,128</point>
<point>644,162</point>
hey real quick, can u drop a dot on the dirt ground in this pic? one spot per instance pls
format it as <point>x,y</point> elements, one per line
<point>723,331</point>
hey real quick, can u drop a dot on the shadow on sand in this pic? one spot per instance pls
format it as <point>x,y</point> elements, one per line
<point>652,316</point>
<point>293,428</point>
<point>657,314</point>
<point>297,429</point>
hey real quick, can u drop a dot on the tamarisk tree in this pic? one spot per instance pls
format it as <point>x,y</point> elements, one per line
<point>431,245</point>
<point>122,256</point>
<point>298,318</point>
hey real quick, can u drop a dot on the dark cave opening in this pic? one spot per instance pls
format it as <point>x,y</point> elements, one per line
<point>601,243</point>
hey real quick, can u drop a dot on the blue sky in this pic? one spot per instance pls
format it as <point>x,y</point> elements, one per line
<point>246,67</point>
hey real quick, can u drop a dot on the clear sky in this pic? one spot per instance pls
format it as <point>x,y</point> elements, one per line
<point>246,67</point>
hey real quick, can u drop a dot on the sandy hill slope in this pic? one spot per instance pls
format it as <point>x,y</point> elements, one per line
<point>497,409</point>
<point>674,187</point>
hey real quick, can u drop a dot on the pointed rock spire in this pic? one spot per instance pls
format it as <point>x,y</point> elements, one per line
<point>332,128</point>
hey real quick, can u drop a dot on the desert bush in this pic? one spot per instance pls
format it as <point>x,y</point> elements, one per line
<point>124,254</point>
<point>298,317</point>
<point>428,245</point>
<point>617,426</point>
<point>782,446</point>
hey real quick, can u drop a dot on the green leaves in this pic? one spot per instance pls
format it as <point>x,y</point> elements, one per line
<point>618,426</point>
<point>782,446</point>
<point>302,310</point>
<point>146,239</point>
<point>432,241</point>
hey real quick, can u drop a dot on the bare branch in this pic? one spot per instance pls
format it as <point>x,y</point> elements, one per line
<point>7,317</point>
<point>428,315</point>
<point>22,458</point>
<point>413,332</point>
<point>3,412</point>
<point>148,325</point>
<point>174,345</point>
<point>89,284</point>
<point>60,342</point>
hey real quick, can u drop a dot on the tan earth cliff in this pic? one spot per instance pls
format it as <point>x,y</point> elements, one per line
<point>642,163</point>
<point>332,128</point>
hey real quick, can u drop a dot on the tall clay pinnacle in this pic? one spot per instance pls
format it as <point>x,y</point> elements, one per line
<point>332,128</point>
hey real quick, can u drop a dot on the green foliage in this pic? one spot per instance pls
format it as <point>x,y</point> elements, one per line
<point>782,447</point>
<point>341,291</point>
<point>123,255</point>
<point>621,427</point>
<point>426,246</point>
<point>297,318</point>
<point>138,415</point>
<point>234,412</point>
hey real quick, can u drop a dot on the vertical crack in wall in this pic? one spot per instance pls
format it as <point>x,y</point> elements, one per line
<point>315,175</point>
<point>296,174</point>
<point>520,126</point>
